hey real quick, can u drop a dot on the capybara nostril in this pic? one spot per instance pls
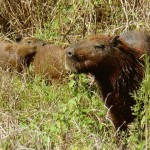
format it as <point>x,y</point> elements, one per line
<point>18,38</point>
<point>43,44</point>
<point>70,52</point>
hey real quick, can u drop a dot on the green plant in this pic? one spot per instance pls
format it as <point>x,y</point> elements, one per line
<point>140,131</point>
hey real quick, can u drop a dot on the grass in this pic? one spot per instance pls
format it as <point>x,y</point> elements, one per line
<point>142,111</point>
<point>35,115</point>
<point>69,116</point>
<point>65,116</point>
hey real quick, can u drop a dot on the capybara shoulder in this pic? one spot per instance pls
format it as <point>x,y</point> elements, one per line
<point>116,63</point>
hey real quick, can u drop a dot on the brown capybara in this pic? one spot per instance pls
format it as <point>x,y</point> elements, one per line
<point>14,56</point>
<point>117,65</point>
<point>30,41</point>
<point>48,60</point>
<point>49,63</point>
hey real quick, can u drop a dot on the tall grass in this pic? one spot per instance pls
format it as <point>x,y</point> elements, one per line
<point>141,127</point>
<point>70,21</point>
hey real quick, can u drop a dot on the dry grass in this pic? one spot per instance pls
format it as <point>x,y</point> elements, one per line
<point>76,18</point>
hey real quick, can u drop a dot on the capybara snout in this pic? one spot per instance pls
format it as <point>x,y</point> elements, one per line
<point>70,52</point>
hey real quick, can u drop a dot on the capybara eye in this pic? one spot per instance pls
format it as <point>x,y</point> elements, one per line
<point>29,42</point>
<point>99,46</point>
<point>148,39</point>
<point>43,44</point>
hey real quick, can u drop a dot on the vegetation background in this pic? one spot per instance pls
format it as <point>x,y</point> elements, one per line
<point>59,117</point>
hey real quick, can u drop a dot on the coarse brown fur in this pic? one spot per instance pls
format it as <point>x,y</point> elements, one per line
<point>118,68</point>
<point>30,41</point>
<point>138,40</point>
<point>49,62</point>
<point>15,56</point>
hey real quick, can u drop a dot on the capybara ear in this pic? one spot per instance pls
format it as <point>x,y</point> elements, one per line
<point>115,41</point>
<point>148,38</point>
<point>18,38</point>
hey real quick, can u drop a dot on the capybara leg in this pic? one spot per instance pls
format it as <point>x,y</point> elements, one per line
<point>117,118</point>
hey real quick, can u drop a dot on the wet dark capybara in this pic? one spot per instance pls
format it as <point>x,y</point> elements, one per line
<point>117,64</point>
<point>16,56</point>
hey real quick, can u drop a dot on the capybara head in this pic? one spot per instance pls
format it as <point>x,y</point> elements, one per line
<point>28,46</point>
<point>117,68</point>
<point>19,55</point>
<point>93,55</point>
<point>29,40</point>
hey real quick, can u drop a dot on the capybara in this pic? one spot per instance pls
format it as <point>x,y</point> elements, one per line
<point>118,67</point>
<point>13,55</point>
<point>49,62</point>
<point>30,41</point>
